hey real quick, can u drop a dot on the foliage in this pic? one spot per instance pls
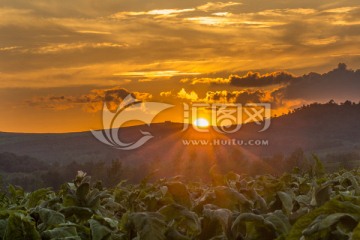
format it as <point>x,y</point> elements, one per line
<point>298,205</point>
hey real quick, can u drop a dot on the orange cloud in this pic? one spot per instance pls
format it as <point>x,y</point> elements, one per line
<point>91,102</point>
<point>211,6</point>
<point>246,96</point>
<point>192,96</point>
<point>165,94</point>
<point>207,81</point>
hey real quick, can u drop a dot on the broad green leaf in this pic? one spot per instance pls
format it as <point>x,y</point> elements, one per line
<point>3,224</point>
<point>325,222</point>
<point>287,201</point>
<point>356,232</point>
<point>322,194</point>
<point>337,217</point>
<point>354,182</point>
<point>260,202</point>
<point>333,206</point>
<point>279,221</point>
<point>20,226</point>
<point>108,222</point>
<point>98,231</point>
<point>180,193</point>
<point>148,226</point>
<point>35,197</point>
<point>80,212</point>
<point>184,218</point>
<point>252,226</point>
<point>226,197</point>
<point>82,191</point>
<point>215,222</point>
<point>50,217</point>
<point>220,215</point>
<point>303,200</point>
<point>60,233</point>
<point>93,198</point>
<point>173,234</point>
<point>16,193</point>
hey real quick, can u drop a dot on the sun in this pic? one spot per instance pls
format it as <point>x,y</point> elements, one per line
<point>201,122</point>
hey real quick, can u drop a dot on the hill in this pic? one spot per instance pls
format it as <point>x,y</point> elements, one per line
<point>329,130</point>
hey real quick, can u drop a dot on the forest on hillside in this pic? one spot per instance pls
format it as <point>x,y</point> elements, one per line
<point>16,170</point>
<point>32,173</point>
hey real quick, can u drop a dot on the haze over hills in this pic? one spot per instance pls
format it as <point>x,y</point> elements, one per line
<point>317,128</point>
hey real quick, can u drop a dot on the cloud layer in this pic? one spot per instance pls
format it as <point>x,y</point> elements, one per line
<point>278,88</point>
<point>67,56</point>
<point>42,40</point>
<point>91,102</point>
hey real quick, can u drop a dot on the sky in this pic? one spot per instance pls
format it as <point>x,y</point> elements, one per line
<point>60,60</point>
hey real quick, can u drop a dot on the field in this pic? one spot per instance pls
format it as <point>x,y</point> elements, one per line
<point>308,204</point>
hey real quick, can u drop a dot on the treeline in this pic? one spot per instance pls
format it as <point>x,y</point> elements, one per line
<point>31,173</point>
<point>11,163</point>
<point>298,159</point>
<point>316,108</point>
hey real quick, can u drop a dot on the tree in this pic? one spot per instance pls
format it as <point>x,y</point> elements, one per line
<point>296,159</point>
<point>342,66</point>
<point>114,173</point>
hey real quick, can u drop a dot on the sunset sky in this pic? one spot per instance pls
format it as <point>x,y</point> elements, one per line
<point>59,60</point>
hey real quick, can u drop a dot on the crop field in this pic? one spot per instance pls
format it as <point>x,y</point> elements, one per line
<point>299,205</point>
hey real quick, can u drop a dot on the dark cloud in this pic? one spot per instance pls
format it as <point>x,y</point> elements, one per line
<point>250,97</point>
<point>91,102</point>
<point>339,84</point>
<point>280,88</point>
<point>116,94</point>
<point>255,79</point>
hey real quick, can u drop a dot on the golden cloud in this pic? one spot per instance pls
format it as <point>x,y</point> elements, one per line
<point>195,81</point>
<point>165,94</point>
<point>211,6</point>
<point>192,96</point>
<point>91,102</point>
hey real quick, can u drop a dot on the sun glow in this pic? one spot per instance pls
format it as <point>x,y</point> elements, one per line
<point>201,122</point>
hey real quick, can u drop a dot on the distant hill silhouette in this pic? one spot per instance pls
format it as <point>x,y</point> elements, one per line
<point>316,128</point>
<point>313,127</point>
